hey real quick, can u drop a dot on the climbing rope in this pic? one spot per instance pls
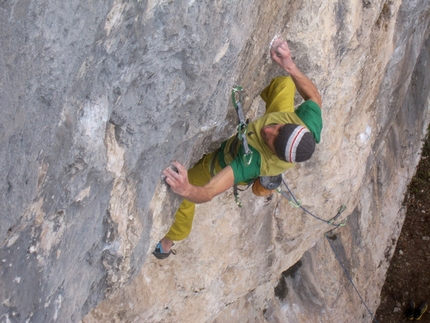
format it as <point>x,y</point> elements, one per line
<point>296,203</point>
<point>349,278</point>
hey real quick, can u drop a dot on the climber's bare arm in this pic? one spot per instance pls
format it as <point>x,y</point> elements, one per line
<point>281,54</point>
<point>179,183</point>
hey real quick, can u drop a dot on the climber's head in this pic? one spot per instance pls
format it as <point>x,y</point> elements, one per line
<point>290,142</point>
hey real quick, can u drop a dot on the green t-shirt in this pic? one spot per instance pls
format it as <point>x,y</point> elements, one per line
<point>243,173</point>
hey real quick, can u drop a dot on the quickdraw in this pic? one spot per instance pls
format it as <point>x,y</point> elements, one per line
<point>293,202</point>
<point>296,203</point>
<point>339,212</point>
<point>242,127</point>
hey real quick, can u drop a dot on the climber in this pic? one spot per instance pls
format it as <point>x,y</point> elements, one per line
<point>281,137</point>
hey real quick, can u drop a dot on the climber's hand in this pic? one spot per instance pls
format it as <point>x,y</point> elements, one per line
<point>178,181</point>
<point>281,54</point>
<point>177,178</point>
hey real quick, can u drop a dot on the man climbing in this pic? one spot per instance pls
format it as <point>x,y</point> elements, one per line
<point>280,138</point>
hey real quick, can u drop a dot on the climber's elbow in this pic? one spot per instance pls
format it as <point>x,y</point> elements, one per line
<point>316,97</point>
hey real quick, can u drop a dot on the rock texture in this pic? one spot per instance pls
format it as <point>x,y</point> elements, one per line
<point>98,97</point>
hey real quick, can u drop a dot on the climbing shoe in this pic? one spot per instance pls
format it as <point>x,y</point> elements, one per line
<point>410,311</point>
<point>420,310</point>
<point>159,252</point>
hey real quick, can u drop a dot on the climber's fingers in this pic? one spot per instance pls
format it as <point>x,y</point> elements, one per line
<point>177,178</point>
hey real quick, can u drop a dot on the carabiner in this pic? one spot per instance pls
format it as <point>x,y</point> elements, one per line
<point>339,212</point>
<point>236,88</point>
<point>238,202</point>
<point>247,160</point>
<point>290,199</point>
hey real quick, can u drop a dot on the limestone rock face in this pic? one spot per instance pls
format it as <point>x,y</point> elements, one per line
<point>98,97</point>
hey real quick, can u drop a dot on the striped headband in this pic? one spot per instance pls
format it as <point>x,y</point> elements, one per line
<point>294,143</point>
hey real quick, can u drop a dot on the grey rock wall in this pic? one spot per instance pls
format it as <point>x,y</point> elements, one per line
<point>98,97</point>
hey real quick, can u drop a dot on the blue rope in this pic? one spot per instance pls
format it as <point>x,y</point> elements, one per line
<point>349,278</point>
